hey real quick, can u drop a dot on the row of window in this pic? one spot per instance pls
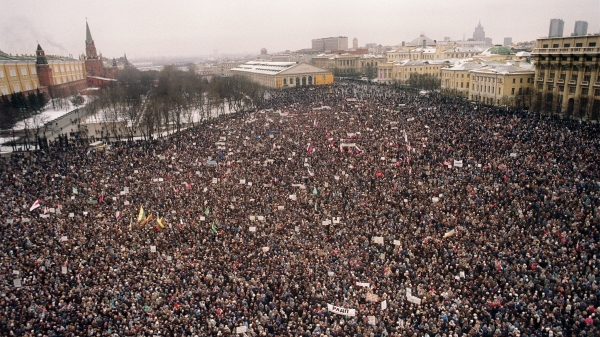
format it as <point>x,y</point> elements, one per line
<point>568,45</point>
<point>572,89</point>
<point>12,71</point>
<point>565,67</point>
<point>17,88</point>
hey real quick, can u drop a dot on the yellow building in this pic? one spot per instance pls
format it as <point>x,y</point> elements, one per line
<point>349,64</point>
<point>65,70</point>
<point>58,76</point>
<point>457,78</point>
<point>400,71</point>
<point>283,74</point>
<point>567,76</point>
<point>502,84</point>
<point>18,74</point>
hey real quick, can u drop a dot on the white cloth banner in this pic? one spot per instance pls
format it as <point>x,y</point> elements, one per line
<point>362,284</point>
<point>458,163</point>
<point>378,239</point>
<point>384,305</point>
<point>413,299</point>
<point>340,310</point>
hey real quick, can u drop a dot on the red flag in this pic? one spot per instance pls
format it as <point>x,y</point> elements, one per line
<point>498,265</point>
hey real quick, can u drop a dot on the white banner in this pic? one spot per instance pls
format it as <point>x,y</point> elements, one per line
<point>340,310</point>
<point>362,284</point>
<point>413,299</point>
<point>378,239</point>
<point>458,163</point>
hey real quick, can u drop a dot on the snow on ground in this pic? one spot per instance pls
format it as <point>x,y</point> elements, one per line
<point>50,114</point>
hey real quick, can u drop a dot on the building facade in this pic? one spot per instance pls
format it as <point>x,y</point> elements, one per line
<point>349,64</point>
<point>567,76</point>
<point>556,28</point>
<point>53,75</point>
<point>283,74</point>
<point>400,72</point>
<point>330,43</point>
<point>505,84</point>
<point>457,78</point>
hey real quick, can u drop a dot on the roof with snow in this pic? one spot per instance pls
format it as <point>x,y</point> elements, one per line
<point>471,49</point>
<point>503,69</point>
<point>275,68</point>
<point>419,41</point>
<point>466,66</point>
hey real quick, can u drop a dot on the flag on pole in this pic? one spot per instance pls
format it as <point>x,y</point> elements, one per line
<point>35,205</point>
<point>142,215</point>
<point>315,190</point>
<point>213,227</point>
<point>498,265</point>
<point>145,221</point>
<point>159,221</point>
<point>206,211</point>
<point>75,190</point>
<point>101,198</point>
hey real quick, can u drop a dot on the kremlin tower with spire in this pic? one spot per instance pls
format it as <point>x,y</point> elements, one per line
<point>97,73</point>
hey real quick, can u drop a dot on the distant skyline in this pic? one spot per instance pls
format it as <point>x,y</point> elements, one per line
<point>186,28</point>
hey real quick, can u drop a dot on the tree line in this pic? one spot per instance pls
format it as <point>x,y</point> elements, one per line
<point>18,106</point>
<point>146,103</point>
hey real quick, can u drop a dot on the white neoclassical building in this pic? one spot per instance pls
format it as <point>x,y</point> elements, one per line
<point>283,74</point>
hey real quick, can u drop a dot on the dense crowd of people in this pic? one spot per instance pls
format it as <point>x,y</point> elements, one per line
<point>349,210</point>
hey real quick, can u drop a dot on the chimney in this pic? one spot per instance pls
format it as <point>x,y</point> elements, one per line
<point>517,63</point>
<point>424,43</point>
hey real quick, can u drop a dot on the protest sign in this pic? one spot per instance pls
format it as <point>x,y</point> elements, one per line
<point>378,239</point>
<point>153,249</point>
<point>340,311</point>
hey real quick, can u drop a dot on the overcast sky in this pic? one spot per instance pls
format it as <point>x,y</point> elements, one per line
<point>153,28</point>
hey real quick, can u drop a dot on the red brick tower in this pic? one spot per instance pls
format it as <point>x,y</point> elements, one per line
<point>93,63</point>
<point>43,69</point>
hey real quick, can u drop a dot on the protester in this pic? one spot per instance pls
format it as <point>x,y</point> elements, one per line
<point>488,218</point>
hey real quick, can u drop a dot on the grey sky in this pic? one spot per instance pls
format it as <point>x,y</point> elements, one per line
<point>143,28</point>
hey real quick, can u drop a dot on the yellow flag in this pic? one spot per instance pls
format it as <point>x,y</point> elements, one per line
<point>141,216</point>
<point>159,221</point>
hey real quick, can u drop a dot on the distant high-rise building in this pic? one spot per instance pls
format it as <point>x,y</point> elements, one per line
<point>556,28</point>
<point>507,41</point>
<point>355,42</point>
<point>479,33</point>
<point>330,43</point>
<point>580,28</point>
